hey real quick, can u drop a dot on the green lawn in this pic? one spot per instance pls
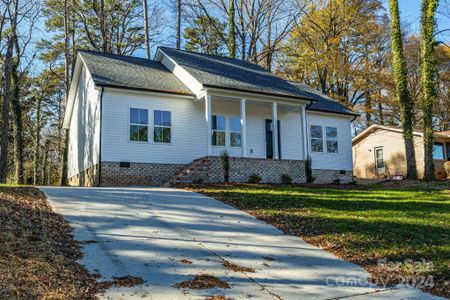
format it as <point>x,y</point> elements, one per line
<point>360,224</point>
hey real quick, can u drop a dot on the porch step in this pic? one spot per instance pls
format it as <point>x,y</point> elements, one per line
<point>197,170</point>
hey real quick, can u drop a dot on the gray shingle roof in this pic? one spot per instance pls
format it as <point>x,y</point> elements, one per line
<point>131,72</point>
<point>324,103</point>
<point>234,74</point>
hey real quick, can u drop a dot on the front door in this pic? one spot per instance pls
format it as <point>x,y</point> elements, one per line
<point>269,139</point>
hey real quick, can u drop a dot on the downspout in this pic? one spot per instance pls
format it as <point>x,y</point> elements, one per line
<point>100,142</point>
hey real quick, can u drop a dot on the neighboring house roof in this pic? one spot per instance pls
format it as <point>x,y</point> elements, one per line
<point>111,70</point>
<point>234,74</point>
<point>375,127</point>
<point>324,103</point>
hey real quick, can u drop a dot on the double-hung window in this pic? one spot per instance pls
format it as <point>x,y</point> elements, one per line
<point>331,138</point>
<point>235,131</point>
<point>218,130</point>
<point>162,121</point>
<point>138,125</point>
<point>316,138</point>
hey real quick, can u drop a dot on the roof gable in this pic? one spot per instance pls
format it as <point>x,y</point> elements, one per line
<point>111,70</point>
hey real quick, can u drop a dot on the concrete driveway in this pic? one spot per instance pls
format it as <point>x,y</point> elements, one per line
<point>155,233</point>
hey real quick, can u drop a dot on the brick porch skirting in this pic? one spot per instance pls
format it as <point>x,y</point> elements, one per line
<point>88,177</point>
<point>331,176</point>
<point>137,174</point>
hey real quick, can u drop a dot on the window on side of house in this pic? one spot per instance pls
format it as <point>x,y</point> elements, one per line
<point>235,131</point>
<point>438,151</point>
<point>218,130</point>
<point>138,125</point>
<point>316,138</point>
<point>162,130</point>
<point>332,139</point>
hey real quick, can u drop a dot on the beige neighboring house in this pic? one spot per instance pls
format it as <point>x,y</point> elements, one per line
<point>379,151</point>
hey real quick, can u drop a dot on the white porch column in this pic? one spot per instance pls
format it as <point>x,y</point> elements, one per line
<point>243,128</point>
<point>275,130</point>
<point>208,117</point>
<point>305,133</point>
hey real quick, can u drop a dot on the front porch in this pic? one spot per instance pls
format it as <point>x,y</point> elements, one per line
<point>264,128</point>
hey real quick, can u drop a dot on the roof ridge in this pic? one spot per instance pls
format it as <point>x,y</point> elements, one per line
<point>220,57</point>
<point>115,55</point>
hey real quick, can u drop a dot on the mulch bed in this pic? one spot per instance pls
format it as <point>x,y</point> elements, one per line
<point>38,253</point>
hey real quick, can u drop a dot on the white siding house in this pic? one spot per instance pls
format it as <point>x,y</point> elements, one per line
<point>134,121</point>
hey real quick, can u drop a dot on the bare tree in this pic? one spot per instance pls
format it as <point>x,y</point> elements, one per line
<point>147,40</point>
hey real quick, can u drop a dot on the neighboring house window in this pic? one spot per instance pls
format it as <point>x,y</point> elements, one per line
<point>218,130</point>
<point>379,160</point>
<point>162,126</point>
<point>235,131</point>
<point>138,125</point>
<point>316,138</point>
<point>331,137</point>
<point>438,151</point>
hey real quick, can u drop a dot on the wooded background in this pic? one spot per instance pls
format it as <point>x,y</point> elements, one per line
<point>359,52</point>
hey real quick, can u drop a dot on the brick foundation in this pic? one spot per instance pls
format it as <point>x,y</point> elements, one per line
<point>206,170</point>
<point>137,174</point>
<point>270,170</point>
<point>88,177</point>
<point>330,176</point>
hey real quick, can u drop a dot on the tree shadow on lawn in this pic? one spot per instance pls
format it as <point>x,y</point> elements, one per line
<point>362,226</point>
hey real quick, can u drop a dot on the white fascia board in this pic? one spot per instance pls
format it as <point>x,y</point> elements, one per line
<point>184,76</point>
<point>73,91</point>
<point>146,93</point>
<point>331,114</point>
<point>256,96</point>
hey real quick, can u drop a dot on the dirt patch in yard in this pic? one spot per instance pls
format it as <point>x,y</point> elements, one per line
<point>203,281</point>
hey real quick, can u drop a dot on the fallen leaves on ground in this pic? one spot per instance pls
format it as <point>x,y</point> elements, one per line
<point>37,251</point>
<point>218,297</point>
<point>236,268</point>
<point>203,281</point>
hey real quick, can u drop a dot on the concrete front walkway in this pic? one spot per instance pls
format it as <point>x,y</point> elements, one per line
<point>154,233</point>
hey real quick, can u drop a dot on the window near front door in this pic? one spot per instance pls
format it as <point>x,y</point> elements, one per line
<point>379,160</point>
<point>438,151</point>
<point>162,122</point>
<point>138,125</point>
<point>235,131</point>
<point>316,138</point>
<point>331,138</point>
<point>218,130</point>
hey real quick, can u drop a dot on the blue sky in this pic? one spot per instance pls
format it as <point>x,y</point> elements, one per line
<point>410,15</point>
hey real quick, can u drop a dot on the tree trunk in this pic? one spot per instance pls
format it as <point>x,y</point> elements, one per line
<point>231,31</point>
<point>37,141</point>
<point>147,41</point>
<point>16,110</point>
<point>178,33</point>
<point>428,73</point>
<point>8,69</point>
<point>65,142</point>
<point>406,105</point>
<point>45,166</point>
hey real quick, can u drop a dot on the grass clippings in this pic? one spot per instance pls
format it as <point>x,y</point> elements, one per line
<point>236,268</point>
<point>37,251</point>
<point>203,281</point>
<point>403,223</point>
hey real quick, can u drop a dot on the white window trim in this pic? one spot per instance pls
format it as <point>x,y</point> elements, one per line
<point>327,139</point>
<point>129,126</point>
<point>313,138</point>
<point>162,126</point>
<point>224,131</point>
<point>230,131</point>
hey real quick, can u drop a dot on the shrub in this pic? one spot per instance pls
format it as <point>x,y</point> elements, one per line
<point>308,170</point>
<point>286,179</point>
<point>254,178</point>
<point>225,159</point>
<point>337,181</point>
